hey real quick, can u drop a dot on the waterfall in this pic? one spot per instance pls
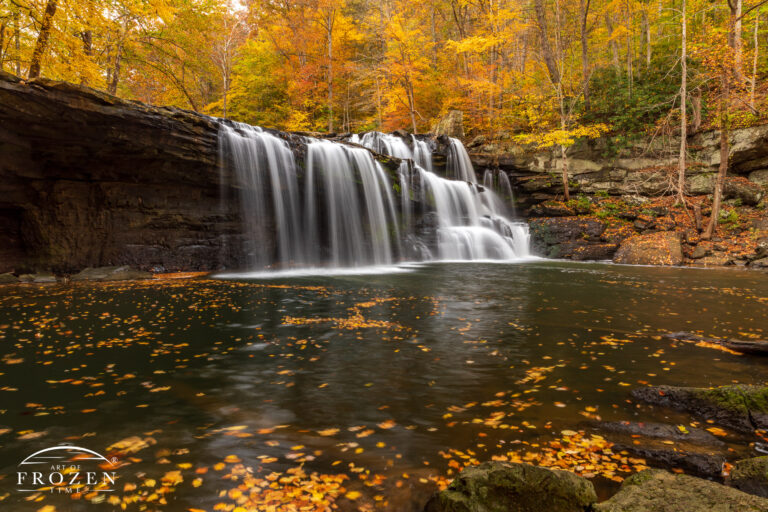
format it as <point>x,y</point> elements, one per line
<point>459,165</point>
<point>261,160</point>
<point>359,228</point>
<point>472,222</point>
<point>316,203</point>
<point>343,217</point>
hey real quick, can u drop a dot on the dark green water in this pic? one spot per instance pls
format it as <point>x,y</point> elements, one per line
<point>485,359</point>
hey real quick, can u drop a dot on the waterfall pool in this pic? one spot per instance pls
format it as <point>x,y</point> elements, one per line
<point>363,390</point>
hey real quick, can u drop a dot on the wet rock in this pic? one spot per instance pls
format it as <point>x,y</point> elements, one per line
<point>122,273</point>
<point>761,263</point>
<point>699,463</point>
<point>8,278</point>
<point>740,407</point>
<point>750,476</point>
<point>560,237</point>
<point>42,277</point>
<point>754,347</point>
<point>662,248</point>
<point>655,490</point>
<point>718,259</point>
<point>660,431</point>
<point>510,487</point>
<point>693,450</point>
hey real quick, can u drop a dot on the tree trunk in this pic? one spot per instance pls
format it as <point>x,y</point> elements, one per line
<point>753,82</point>
<point>734,37</point>
<point>722,170</point>
<point>696,107</point>
<point>614,46</point>
<point>546,49</point>
<point>647,34</point>
<point>329,30</point>
<point>112,87</point>
<point>42,39</point>
<point>412,106</point>
<point>17,40</point>
<point>584,6</point>
<point>87,37</point>
<point>2,43</point>
<point>564,157</point>
<point>683,104</point>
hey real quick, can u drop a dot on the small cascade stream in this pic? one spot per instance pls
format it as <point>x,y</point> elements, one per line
<point>316,203</point>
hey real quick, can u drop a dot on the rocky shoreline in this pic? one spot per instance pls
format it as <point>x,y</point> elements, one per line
<point>694,469</point>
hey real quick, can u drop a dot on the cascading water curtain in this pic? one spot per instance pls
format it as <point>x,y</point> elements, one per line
<point>473,223</point>
<point>344,216</point>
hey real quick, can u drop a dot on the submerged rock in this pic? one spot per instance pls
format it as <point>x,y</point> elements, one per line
<point>755,347</point>
<point>122,273</point>
<point>751,476</point>
<point>662,248</point>
<point>693,450</point>
<point>700,463</point>
<point>655,490</point>
<point>514,487</point>
<point>740,407</point>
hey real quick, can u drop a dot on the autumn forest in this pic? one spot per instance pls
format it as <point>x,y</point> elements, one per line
<point>533,68</point>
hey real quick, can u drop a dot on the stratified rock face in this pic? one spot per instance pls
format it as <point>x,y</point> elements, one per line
<point>452,125</point>
<point>509,487</point>
<point>654,490</point>
<point>740,407</point>
<point>663,248</point>
<point>751,476</point>
<point>87,179</point>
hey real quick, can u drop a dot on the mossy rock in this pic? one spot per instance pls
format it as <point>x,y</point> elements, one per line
<point>655,490</point>
<point>740,407</point>
<point>751,476</point>
<point>514,487</point>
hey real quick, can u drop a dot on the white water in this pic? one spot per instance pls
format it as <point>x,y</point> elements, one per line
<point>473,222</point>
<point>343,218</point>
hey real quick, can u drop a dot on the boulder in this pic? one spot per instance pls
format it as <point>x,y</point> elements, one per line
<point>663,248</point>
<point>122,273</point>
<point>655,490</point>
<point>750,476</point>
<point>761,263</point>
<point>8,278</point>
<point>559,237</point>
<point>513,487</point>
<point>700,251</point>
<point>740,407</point>
<point>744,190</point>
<point>691,449</point>
<point>760,177</point>
<point>451,124</point>
<point>42,277</point>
